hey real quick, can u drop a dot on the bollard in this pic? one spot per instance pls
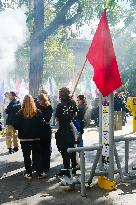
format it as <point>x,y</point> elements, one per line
<point>134,122</point>
<point>131,105</point>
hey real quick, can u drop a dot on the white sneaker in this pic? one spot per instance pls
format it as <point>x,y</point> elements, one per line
<point>28,176</point>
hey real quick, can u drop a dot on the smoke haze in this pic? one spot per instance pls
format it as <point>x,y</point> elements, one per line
<point>12,35</point>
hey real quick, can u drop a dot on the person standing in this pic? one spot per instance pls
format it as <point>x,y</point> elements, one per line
<point>46,111</point>
<point>28,123</point>
<point>82,107</point>
<point>11,134</point>
<point>65,113</point>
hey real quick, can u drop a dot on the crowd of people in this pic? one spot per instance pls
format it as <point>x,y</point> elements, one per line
<point>30,121</point>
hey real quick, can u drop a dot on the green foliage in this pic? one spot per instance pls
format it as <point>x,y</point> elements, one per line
<point>58,57</point>
<point>93,9</point>
<point>128,78</point>
<point>125,48</point>
<point>13,3</point>
<point>58,54</point>
<point>49,14</point>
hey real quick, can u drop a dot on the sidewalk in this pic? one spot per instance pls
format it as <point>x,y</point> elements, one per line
<point>14,189</point>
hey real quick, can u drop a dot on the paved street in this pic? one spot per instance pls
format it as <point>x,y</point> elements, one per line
<point>14,189</point>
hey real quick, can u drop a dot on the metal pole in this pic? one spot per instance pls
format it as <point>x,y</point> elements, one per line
<point>100,128</point>
<point>92,173</point>
<point>111,137</point>
<point>118,163</point>
<point>126,155</point>
<point>82,167</point>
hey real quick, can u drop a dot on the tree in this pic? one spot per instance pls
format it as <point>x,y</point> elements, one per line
<point>128,77</point>
<point>36,49</point>
<point>65,14</point>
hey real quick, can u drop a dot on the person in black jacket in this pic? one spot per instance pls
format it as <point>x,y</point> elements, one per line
<point>65,113</point>
<point>28,123</point>
<point>11,134</point>
<point>82,107</point>
<point>46,111</point>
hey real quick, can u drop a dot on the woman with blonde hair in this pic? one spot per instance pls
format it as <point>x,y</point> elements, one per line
<point>46,111</point>
<point>28,124</point>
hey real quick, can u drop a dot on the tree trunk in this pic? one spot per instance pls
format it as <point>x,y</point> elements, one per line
<point>36,49</point>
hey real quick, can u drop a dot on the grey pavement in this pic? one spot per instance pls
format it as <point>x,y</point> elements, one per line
<point>14,189</point>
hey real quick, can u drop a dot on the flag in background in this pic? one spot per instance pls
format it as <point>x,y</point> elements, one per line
<point>102,57</point>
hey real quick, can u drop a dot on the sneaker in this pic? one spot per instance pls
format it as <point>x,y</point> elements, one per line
<point>63,172</point>
<point>15,149</point>
<point>28,176</point>
<point>42,176</point>
<point>10,150</point>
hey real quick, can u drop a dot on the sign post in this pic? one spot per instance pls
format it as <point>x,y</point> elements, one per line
<point>111,136</point>
<point>106,133</point>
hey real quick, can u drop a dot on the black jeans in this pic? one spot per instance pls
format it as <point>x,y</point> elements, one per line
<point>67,157</point>
<point>27,147</point>
<point>46,153</point>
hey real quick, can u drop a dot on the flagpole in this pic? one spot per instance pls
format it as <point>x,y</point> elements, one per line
<point>79,77</point>
<point>111,136</point>
<point>100,129</point>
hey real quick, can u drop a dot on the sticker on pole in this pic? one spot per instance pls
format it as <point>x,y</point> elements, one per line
<point>105,131</point>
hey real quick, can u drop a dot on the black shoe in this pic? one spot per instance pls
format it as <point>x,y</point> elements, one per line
<point>63,172</point>
<point>10,150</point>
<point>15,149</point>
<point>42,176</point>
<point>133,168</point>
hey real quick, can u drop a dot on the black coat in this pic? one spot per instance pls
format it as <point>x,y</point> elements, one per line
<point>28,128</point>
<point>81,111</point>
<point>13,107</point>
<point>80,116</point>
<point>46,113</point>
<point>65,113</point>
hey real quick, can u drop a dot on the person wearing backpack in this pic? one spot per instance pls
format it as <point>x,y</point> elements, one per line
<point>65,113</point>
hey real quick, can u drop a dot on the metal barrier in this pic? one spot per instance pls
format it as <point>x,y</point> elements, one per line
<point>98,156</point>
<point>81,150</point>
<point>126,140</point>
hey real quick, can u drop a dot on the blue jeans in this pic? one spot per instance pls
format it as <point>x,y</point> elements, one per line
<point>80,141</point>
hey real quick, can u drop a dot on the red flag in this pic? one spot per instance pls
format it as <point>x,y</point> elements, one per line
<point>102,57</point>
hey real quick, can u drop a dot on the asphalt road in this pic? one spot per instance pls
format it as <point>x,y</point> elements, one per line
<point>14,189</point>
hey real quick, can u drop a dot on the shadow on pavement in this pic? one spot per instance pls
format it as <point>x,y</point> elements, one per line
<point>9,167</point>
<point>127,189</point>
<point>3,154</point>
<point>47,191</point>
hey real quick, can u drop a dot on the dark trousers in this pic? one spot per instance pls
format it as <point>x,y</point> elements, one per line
<point>68,157</point>
<point>34,147</point>
<point>46,153</point>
